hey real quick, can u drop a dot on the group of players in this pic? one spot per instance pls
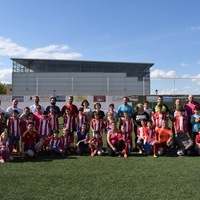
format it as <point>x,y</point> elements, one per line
<point>35,130</point>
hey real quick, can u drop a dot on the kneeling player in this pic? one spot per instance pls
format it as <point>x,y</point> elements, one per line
<point>96,144</point>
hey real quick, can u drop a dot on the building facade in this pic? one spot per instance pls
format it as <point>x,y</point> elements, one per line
<point>60,77</point>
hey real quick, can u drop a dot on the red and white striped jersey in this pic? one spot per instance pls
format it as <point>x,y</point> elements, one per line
<point>13,127</point>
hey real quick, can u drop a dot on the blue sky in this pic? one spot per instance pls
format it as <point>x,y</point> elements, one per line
<point>163,32</point>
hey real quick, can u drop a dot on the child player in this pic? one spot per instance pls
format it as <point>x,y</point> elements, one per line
<point>150,137</point>
<point>180,122</point>
<point>163,139</point>
<point>95,144</point>
<point>55,144</point>
<point>66,141</point>
<point>97,124</point>
<point>197,142</point>
<point>142,135</point>
<point>126,138</point>
<point>14,131</point>
<point>127,122</point>
<point>81,118</point>
<point>158,116</point>
<point>5,148</point>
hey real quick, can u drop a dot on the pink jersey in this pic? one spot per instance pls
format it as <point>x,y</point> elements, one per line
<point>13,127</point>
<point>113,137</point>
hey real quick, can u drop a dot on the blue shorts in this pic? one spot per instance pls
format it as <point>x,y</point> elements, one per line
<point>148,146</point>
<point>14,138</point>
<point>140,140</point>
<point>56,149</point>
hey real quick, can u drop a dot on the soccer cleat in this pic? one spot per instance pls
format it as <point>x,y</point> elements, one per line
<point>125,155</point>
<point>155,156</point>
<point>140,151</point>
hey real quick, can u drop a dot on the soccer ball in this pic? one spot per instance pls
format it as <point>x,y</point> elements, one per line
<point>180,152</point>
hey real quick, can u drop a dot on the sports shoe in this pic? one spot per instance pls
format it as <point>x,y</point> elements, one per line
<point>125,155</point>
<point>155,156</point>
<point>140,151</point>
<point>2,161</point>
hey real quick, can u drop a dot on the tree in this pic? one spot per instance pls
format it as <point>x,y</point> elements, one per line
<point>3,88</point>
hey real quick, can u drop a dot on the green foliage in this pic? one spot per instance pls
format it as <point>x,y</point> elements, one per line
<point>3,88</point>
<point>85,177</point>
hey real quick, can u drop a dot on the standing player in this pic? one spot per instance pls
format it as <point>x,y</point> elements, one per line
<point>97,124</point>
<point>53,119</point>
<point>14,131</point>
<point>69,123</point>
<point>124,107</point>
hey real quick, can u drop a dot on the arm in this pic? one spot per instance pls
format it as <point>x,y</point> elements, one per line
<point>91,126</point>
<point>170,140</point>
<point>109,143</point>
<point>190,144</point>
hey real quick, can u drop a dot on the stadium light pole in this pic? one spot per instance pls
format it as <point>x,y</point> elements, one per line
<point>36,90</point>
<point>108,82</point>
<point>143,84</point>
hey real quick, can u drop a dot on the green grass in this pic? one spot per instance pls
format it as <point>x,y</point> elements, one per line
<point>110,178</point>
<point>85,177</point>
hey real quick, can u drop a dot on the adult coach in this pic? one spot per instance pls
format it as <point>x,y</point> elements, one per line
<point>33,108</point>
<point>125,107</point>
<point>53,104</point>
<point>73,108</point>
<point>165,108</point>
<point>189,107</point>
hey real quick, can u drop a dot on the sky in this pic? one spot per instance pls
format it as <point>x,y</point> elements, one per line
<point>163,32</point>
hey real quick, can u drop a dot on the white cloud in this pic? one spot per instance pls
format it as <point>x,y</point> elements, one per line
<point>156,74</point>
<point>5,75</point>
<point>194,28</point>
<point>9,48</point>
<point>184,64</point>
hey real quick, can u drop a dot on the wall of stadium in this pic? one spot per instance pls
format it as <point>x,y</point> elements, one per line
<point>78,83</point>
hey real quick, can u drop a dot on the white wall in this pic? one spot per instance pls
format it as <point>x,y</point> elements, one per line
<point>78,83</point>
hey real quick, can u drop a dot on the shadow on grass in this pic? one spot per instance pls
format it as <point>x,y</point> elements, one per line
<point>42,158</point>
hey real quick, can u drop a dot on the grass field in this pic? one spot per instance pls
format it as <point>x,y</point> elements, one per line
<point>85,177</point>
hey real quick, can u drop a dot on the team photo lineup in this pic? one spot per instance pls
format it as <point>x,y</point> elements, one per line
<point>123,132</point>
